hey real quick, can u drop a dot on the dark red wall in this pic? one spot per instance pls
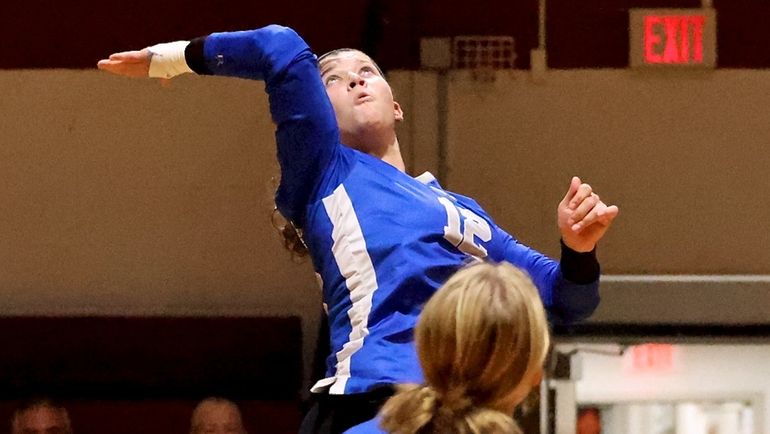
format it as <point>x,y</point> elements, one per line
<point>163,416</point>
<point>581,34</point>
<point>130,375</point>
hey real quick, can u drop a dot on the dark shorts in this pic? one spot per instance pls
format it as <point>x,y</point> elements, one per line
<point>333,414</point>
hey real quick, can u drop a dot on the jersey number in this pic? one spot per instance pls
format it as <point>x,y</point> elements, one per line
<point>474,227</point>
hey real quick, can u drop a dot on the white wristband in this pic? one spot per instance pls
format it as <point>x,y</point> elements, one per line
<point>167,60</point>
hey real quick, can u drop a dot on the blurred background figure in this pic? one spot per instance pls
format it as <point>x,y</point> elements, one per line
<point>40,416</point>
<point>216,416</point>
<point>589,421</point>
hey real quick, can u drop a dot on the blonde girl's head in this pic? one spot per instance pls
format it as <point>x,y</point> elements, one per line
<point>482,340</point>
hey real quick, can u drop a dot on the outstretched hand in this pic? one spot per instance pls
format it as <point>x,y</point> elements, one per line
<point>127,63</point>
<point>582,217</point>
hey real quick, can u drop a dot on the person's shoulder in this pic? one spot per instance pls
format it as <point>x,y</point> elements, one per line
<point>371,426</point>
<point>471,204</point>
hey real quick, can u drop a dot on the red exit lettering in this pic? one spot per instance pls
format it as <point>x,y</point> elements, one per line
<point>673,39</point>
<point>657,358</point>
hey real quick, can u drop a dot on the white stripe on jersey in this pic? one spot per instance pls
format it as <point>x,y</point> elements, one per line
<point>349,249</point>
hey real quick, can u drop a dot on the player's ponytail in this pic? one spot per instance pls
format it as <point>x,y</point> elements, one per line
<point>409,410</point>
<point>421,410</point>
<point>488,421</point>
<point>481,340</point>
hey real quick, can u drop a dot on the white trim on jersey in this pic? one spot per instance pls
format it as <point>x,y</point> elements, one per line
<point>349,250</point>
<point>425,177</point>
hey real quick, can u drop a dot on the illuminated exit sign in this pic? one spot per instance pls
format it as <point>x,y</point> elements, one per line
<point>651,358</point>
<point>673,38</point>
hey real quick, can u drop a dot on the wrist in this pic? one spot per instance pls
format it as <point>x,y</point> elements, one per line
<point>579,267</point>
<point>575,243</point>
<point>167,60</point>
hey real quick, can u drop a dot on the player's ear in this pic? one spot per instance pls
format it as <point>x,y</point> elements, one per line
<point>398,114</point>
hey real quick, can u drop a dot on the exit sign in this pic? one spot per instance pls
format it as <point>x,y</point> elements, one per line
<point>655,358</point>
<point>673,38</point>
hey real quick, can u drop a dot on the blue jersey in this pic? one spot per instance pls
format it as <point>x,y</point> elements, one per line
<point>381,240</point>
<point>371,426</point>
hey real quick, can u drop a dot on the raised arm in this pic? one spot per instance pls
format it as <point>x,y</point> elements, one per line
<point>306,134</point>
<point>569,288</point>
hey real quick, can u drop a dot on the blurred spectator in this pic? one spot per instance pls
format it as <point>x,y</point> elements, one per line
<point>40,416</point>
<point>216,416</point>
<point>589,421</point>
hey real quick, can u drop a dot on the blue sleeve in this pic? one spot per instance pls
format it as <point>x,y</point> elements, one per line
<point>565,301</point>
<point>306,129</point>
<point>369,427</point>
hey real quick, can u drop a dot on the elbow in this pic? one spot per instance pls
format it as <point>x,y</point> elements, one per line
<point>587,308</point>
<point>285,37</point>
<point>285,50</point>
<point>279,30</point>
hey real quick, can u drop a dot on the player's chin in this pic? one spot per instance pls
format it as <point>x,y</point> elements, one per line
<point>368,122</point>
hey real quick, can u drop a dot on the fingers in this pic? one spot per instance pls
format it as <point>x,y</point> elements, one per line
<point>121,68</point>
<point>106,65</point>
<point>610,213</point>
<point>599,213</point>
<point>129,56</point>
<point>584,191</point>
<point>585,211</point>
<point>573,188</point>
<point>127,63</point>
<point>581,207</point>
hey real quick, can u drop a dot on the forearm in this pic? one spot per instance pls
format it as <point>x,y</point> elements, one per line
<point>569,288</point>
<point>306,134</point>
<point>576,294</point>
<point>261,54</point>
<point>577,267</point>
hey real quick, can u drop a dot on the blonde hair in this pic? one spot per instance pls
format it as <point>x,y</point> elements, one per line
<point>481,339</point>
<point>329,55</point>
<point>291,236</point>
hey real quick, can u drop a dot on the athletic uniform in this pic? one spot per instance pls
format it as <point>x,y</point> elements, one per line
<point>371,426</point>
<point>381,240</point>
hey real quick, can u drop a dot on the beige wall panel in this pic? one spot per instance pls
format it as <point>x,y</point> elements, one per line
<point>684,156</point>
